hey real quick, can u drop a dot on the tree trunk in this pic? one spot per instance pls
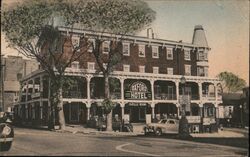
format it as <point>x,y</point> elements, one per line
<point>60,109</point>
<point>107,95</point>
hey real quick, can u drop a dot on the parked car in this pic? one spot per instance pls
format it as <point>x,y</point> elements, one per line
<point>164,126</point>
<point>6,132</point>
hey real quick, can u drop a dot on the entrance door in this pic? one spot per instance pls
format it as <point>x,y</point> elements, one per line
<point>142,113</point>
<point>74,111</point>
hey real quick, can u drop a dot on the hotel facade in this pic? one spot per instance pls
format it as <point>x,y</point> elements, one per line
<point>156,78</point>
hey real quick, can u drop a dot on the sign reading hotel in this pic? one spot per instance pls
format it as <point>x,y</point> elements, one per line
<point>138,91</point>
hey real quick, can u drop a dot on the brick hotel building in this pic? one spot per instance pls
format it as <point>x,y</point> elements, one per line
<point>149,80</point>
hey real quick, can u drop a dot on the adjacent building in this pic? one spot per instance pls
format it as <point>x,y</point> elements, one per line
<point>148,83</point>
<point>14,68</point>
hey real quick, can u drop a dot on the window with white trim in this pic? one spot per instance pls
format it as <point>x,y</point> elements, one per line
<point>200,71</point>
<point>155,52</point>
<point>75,65</point>
<point>188,70</point>
<point>206,71</point>
<point>126,68</point>
<point>187,55</point>
<point>91,66</point>
<point>76,42</point>
<point>170,71</point>
<point>141,50</point>
<point>155,70</point>
<point>126,49</point>
<point>169,53</point>
<point>142,69</point>
<point>105,47</point>
<point>91,45</point>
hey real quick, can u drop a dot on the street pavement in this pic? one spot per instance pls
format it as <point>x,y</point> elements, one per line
<point>42,142</point>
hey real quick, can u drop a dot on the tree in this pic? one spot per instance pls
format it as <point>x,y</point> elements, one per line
<point>29,28</point>
<point>231,82</point>
<point>121,17</point>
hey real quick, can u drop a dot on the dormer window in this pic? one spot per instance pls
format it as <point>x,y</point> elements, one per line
<point>141,50</point>
<point>126,49</point>
<point>155,52</point>
<point>187,55</point>
<point>105,47</point>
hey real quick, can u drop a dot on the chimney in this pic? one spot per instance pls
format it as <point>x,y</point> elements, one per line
<point>199,37</point>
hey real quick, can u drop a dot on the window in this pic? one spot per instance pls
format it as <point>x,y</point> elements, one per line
<point>155,70</point>
<point>91,45</point>
<point>187,54</point>
<point>75,65</point>
<point>155,52</point>
<point>171,122</point>
<point>141,50</point>
<point>206,71</point>
<point>105,47</point>
<point>142,69</point>
<point>202,71</point>
<point>202,55</point>
<point>126,49</point>
<point>169,53</point>
<point>76,42</point>
<point>187,69</point>
<point>126,68</point>
<point>91,66</point>
<point>170,71</point>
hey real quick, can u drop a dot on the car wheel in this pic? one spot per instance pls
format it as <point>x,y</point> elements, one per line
<point>5,146</point>
<point>158,132</point>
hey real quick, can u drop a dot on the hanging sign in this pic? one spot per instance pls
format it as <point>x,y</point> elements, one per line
<point>138,90</point>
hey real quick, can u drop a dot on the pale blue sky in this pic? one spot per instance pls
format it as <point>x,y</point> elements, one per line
<point>226,25</point>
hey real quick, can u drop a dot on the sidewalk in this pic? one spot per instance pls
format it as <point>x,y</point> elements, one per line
<point>84,130</point>
<point>221,134</point>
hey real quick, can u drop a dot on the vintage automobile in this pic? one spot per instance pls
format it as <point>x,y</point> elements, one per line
<point>6,132</point>
<point>164,126</point>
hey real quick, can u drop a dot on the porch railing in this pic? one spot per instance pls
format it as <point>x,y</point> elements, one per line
<point>72,94</point>
<point>165,96</point>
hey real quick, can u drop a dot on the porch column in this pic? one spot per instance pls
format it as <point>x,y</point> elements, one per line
<point>26,93</point>
<point>178,110</point>
<point>88,110</point>
<point>33,84</point>
<point>153,110</point>
<point>200,90</point>
<point>41,110</point>
<point>26,113</point>
<point>88,86</point>
<point>201,110</point>
<point>122,88</point>
<point>41,84</point>
<point>177,90</point>
<point>122,108</point>
<point>152,90</point>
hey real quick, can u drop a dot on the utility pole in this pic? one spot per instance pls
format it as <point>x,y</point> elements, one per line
<point>2,83</point>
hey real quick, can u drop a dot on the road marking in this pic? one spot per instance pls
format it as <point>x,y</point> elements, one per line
<point>131,151</point>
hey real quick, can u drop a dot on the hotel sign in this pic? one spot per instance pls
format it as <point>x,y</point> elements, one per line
<point>138,91</point>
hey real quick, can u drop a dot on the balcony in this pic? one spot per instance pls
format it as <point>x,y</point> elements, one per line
<point>73,94</point>
<point>209,96</point>
<point>115,95</point>
<point>35,95</point>
<point>165,96</point>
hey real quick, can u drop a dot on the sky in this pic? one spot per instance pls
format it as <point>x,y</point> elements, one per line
<point>226,25</point>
